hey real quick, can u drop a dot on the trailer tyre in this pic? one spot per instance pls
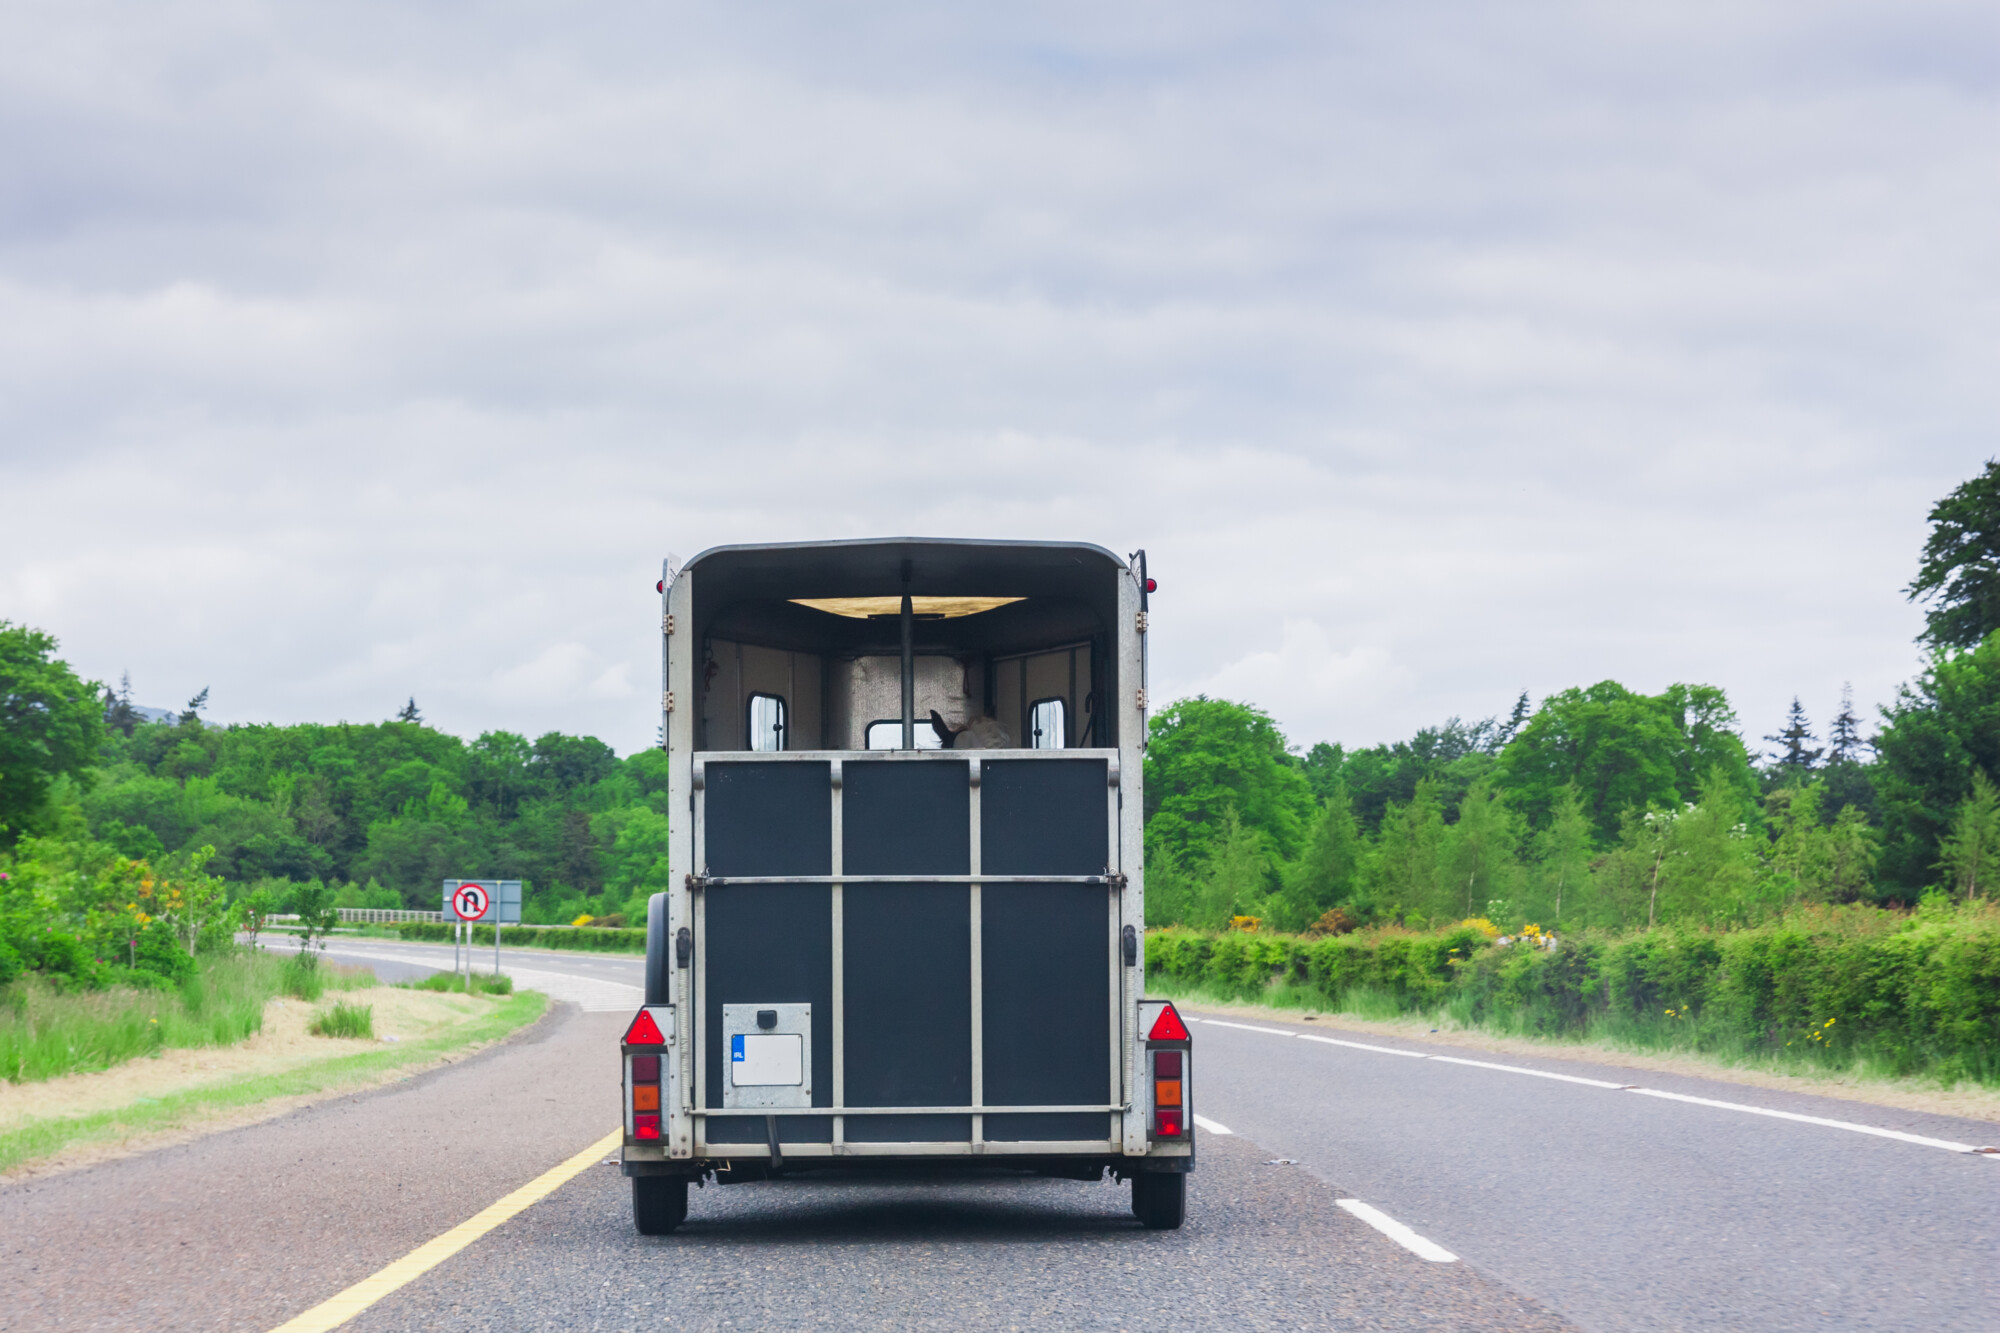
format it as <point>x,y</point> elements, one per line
<point>659,1203</point>
<point>1159,1199</point>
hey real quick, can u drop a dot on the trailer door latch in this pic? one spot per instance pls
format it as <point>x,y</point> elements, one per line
<point>683,946</point>
<point>1131,946</point>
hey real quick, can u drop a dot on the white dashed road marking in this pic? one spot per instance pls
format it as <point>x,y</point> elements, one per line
<point>1208,1126</point>
<point>1396,1231</point>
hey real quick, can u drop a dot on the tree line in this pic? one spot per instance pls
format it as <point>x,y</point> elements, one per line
<point>1601,805</point>
<point>1597,806</point>
<point>380,812</point>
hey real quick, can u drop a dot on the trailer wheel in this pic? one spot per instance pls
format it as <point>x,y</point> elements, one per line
<point>659,1203</point>
<point>1159,1199</point>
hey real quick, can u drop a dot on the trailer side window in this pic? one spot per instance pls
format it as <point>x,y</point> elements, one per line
<point>888,735</point>
<point>1045,725</point>
<point>767,730</point>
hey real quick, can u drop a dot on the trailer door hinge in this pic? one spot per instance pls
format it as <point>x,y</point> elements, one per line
<point>667,701</point>
<point>1141,699</point>
<point>668,624</point>
<point>1142,623</point>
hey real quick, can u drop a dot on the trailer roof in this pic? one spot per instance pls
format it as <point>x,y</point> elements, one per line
<point>939,566</point>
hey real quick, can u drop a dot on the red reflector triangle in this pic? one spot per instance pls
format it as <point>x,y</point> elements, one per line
<point>1167,1027</point>
<point>644,1032</point>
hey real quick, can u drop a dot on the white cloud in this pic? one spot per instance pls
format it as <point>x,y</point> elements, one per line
<point>1310,682</point>
<point>353,353</point>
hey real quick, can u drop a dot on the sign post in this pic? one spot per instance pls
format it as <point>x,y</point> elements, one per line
<point>494,901</point>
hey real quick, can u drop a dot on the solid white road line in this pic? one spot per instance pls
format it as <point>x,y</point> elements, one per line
<point>1360,1046</point>
<point>1245,1027</point>
<point>1897,1134</point>
<point>1948,1145</point>
<point>1535,1073</point>
<point>1396,1231</point>
<point>1208,1126</point>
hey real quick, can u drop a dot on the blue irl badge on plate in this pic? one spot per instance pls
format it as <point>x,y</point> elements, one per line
<point>736,1049</point>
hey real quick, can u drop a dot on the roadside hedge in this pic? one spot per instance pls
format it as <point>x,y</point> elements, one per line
<point>1919,992</point>
<point>583,939</point>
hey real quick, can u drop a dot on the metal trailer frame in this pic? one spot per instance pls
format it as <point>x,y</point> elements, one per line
<point>678,922</point>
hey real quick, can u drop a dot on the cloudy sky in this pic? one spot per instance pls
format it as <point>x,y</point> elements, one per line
<point>356,351</point>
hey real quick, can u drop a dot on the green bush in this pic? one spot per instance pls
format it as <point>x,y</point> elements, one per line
<point>586,939</point>
<point>1906,993</point>
<point>344,1020</point>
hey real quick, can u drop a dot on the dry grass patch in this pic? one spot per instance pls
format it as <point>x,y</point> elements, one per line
<point>175,1095</point>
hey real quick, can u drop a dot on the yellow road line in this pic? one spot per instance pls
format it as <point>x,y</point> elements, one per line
<point>337,1310</point>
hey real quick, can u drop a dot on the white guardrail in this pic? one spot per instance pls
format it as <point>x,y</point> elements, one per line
<point>389,916</point>
<point>362,916</point>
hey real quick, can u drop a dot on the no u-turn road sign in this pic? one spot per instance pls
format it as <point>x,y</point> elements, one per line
<point>470,902</point>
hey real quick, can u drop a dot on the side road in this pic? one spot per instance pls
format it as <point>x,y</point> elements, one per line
<point>243,1229</point>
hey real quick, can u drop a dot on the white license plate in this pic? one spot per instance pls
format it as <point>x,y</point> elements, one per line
<point>767,1061</point>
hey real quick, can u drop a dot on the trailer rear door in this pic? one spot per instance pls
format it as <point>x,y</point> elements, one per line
<point>941,930</point>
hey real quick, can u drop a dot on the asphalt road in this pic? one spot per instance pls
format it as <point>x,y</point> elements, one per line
<point>1569,1205</point>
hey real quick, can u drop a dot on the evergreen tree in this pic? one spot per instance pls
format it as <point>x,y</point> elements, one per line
<point>1480,864</point>
<point>192,713</point>
<point>409,713</point>
<point>1960,572</point>
<point>1409,857</point>
<point>1844,736</point>
<point>1971,851</point>
<point>1323,876</point>
<point>1236,879</point>
<point>1563,854</point>
<point>1797,757</point>
<point>1942,728</point>
<point>1507,730</point>
<point>119,714</point>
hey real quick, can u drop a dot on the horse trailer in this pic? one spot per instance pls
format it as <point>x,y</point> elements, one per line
<point>906,922</point>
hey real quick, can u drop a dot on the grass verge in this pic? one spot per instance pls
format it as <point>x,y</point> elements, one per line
<point>42,1138</point>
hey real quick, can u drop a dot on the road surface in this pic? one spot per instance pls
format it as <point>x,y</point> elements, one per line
<point>1566,1204</point>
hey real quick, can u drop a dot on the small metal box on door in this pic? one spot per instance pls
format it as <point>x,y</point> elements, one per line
<point>770,1056</point>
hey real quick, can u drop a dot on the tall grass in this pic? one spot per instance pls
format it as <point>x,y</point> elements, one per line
<point>46,1032</point>
<point>344,1020</point>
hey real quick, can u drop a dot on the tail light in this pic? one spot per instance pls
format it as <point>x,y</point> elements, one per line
<point>645,1084</point>
<point>1169,1108</point>
<point>1168,1049</point>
